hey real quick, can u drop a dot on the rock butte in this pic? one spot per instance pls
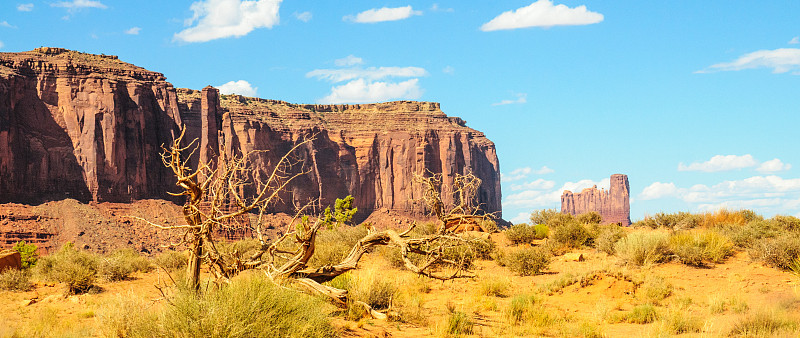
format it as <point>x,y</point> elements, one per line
<point>613,205</point>
<point>90,127</point>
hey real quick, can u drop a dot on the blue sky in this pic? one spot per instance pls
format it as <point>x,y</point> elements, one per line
<point>697,102</point>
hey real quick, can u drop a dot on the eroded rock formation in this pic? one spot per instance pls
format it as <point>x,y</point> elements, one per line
<point>613,205</point>
<point>81,126</point>
<point>90,127</point>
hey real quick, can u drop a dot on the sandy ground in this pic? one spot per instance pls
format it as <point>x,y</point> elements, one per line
<point>616,289</point>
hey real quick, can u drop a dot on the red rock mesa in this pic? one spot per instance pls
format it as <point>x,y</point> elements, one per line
<point>90,127</point>
<point>613,205</point>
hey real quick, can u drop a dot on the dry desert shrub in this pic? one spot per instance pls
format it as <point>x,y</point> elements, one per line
<point>561,282</point>
<point>642,314</point>
<point>334,244</point>
<point>734,303</point>
<point>744,236</point>
<point>698,248</point>
<point>372,287</point>
<point>606,236</point>
<point>520,306</point>
<point>779,252</point>
<point>77,268</point>
<point>678,322</point>
<point>545,216</point>
<point>247,307</point>
<point>46,320</point>
<point>527,261</point>
<point>494,286</point>
<point>765,324</point>
<point>128,315</point>
<point>121,264</point>
<point>643,248</point>
<point>571,234</point>
<point>15,280</point>
<point>527,316</point>
<point>171,260</point>
<point>463,252</point>
<point>656,288</point>
<point>488,225</point>
<point>582,329</point>
<point>409,308</point>
<point>526,234</point>
<point>679,220</point>
<point>724,216</point>
<point>789,223</point>
<point>591,217</point>
<point>456,324</point>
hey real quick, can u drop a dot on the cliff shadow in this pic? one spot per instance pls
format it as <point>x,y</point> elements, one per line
<point>45,166</point>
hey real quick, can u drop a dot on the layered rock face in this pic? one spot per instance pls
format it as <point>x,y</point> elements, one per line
<point>370,151</point>
<point>613,205</point>
<point>81,126</point>
<point>90,127</point>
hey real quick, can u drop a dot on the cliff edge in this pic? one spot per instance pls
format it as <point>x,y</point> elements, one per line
<point>89,127</point>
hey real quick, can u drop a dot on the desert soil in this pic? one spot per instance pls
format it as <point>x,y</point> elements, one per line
<point>695,290</point>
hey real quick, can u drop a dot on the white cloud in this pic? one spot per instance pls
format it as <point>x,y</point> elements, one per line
<point>522,173</point>
<point>364,85</point>
<point>542,13</point>
<point>781,60</point>
<point>76,4</point>
<point>733,162</point>
<point>521,217</point>
<point>436,8</point>
<point>363,91</point>
<point>382,14</point>
<point>2,45</point>
<point>577,187</point>
<point>721,163</point>
<point>542,195</point>
<point>449,70</point>
<point>6,24</point>
<point>304,16</point>
<point>773,165</point>
<point>516,174</point>
<point>752,187</point>
<point>768,195</point>
<point>240,87</point>
<point>371,73</point>
<point>795,40</point>
<point>25,7</point>
<point>539,184</point>
<point>532,199</point>
<point>658,190</point>
<point>217,19</point>
<point>742,204</point>
<point>347,61</point>
<point>521,98</point>
<point>133,31</point>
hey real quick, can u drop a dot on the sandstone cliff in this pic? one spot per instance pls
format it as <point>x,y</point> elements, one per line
<point>370,151</point>
<point>613,205</point>
<point>89,127</point>
<point>81,126</point>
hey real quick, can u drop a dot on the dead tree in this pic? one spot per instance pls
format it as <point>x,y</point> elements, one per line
<point>463,209</point>
<point>285,260</point>
<point>223,186</point>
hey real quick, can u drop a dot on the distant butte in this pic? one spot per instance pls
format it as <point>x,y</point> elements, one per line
<point>613,205</point>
